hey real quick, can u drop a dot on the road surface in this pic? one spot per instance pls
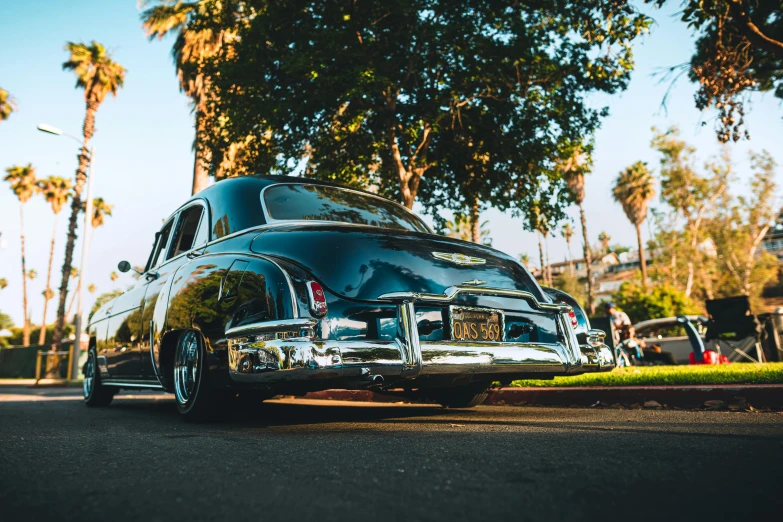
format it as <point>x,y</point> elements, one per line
<point>318,460</point>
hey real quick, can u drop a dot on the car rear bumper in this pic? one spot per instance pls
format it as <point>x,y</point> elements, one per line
<point>288,350</point>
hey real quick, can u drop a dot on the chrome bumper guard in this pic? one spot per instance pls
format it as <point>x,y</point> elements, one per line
<point>287,350</point>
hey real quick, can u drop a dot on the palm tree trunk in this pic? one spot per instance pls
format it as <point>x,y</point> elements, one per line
<point>200,174</point>
<point>47,295</point>
<point>641,255</point>
<point>26,327</point>
<point>475,225</point>
<point>588,262</point>
<point>73,297</point>
<point>541,258</point>
<point>76,206</point>
<point>548,265</point>
<point>570,257</point>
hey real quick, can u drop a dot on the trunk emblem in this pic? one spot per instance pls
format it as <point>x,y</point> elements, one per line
<point>459,259</point>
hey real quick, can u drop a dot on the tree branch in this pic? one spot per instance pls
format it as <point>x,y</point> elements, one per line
<point>752,32</point>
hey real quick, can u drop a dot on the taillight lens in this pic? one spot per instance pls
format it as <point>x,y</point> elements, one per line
<point>315,292</point>
<point>572,316</point>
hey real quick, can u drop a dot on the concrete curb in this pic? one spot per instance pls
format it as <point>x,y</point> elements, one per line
<point>692,396</point>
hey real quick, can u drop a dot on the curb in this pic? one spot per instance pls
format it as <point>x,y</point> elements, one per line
<point>691,396</point>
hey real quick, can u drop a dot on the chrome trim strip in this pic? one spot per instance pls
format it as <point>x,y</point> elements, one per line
<point>459,259</point>
<point>270,326</point>
<point>127,384</point>
<point>408,337</point>
<point>452,292</point>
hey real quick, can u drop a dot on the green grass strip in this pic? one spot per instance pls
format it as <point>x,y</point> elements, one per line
<point>768,373</point>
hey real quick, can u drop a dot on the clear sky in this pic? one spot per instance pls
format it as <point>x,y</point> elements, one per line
<point>143,159</point>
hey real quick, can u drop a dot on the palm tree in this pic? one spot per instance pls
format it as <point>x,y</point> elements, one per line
<point>7,105</point>
<point>604,239</point>
<point>573,166</point>
<point>539,224</point>
<point>99,76</point>
<point>100,210</point>
<point>463,227</point>
<point>24,186</point>
<point>633,189</point>
<point>524,259</point>
<point>56,191</point>
<point>191,48</point>
<point>568,233</point>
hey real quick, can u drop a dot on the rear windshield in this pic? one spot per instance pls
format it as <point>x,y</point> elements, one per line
<point>318,203</point>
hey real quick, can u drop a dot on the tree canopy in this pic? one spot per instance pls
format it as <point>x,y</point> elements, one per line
<point>739,50</point>
<point>431,99</point>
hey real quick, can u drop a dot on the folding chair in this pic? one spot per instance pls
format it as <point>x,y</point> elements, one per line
<point>731,322</point>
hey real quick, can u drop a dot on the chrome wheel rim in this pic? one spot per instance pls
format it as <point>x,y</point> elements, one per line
<point>186,366</point>
<point>89,375</point>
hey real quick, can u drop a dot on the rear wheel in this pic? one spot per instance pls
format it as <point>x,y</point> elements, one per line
<point>196,400</point>
<point>95,393</point>
<point>462,397</point>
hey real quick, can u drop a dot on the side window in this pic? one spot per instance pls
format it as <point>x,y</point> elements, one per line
<point>187,226</point>
<point>202,236</point>
<point>163,239</point>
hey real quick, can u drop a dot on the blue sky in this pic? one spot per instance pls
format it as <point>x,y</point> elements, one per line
<point>143,138</point>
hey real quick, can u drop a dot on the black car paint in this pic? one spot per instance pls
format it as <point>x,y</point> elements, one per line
<point>204,290</point>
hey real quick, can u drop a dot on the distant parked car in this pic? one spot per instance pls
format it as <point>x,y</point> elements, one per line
<point>670,335</point>
<point>276,285</point>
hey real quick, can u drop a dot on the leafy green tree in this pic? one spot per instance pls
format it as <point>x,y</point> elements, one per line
<point>24,185</point>
<point>739,228</point>
<point>739,50</point>
<point>7,105</point>
<point>691,196</point>
<point>387,93</point>
<point>605,240</point>
<point>664,300</point>
<point>633,189</point>
<point>6,323</point>
<point>570,284</point>
<point>56,191</point>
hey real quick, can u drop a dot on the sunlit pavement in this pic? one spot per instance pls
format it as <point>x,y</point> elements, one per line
<point>329,460</point>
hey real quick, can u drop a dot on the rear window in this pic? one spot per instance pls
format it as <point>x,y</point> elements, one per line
<point>297,202</point>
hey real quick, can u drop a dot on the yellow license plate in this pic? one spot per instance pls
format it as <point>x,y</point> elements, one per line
<point>477,324</point>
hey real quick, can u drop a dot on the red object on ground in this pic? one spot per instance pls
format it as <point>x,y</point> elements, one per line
<point>710,357</point>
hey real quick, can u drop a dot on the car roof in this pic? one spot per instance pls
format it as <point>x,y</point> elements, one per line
<point>663,321</point>
<point>235,203</point>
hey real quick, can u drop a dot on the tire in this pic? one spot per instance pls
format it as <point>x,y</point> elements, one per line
<point>196,400</point>
<point>96,395</point>
<point>462,397</point>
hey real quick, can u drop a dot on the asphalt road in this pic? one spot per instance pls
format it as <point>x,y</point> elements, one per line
<point>300,460</point>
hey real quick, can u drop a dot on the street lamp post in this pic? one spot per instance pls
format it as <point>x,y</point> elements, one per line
<point>73,368</point>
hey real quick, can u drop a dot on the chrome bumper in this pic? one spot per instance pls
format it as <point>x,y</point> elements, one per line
<point>257,355</point>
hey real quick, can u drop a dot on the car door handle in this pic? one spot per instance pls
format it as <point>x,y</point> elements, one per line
<point>193,254</point>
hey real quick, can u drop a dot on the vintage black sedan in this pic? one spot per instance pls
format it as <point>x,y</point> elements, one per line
<point>263,285</point>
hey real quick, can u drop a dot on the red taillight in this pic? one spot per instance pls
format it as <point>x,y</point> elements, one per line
<point>574,321</point>
<point>317,299</point>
